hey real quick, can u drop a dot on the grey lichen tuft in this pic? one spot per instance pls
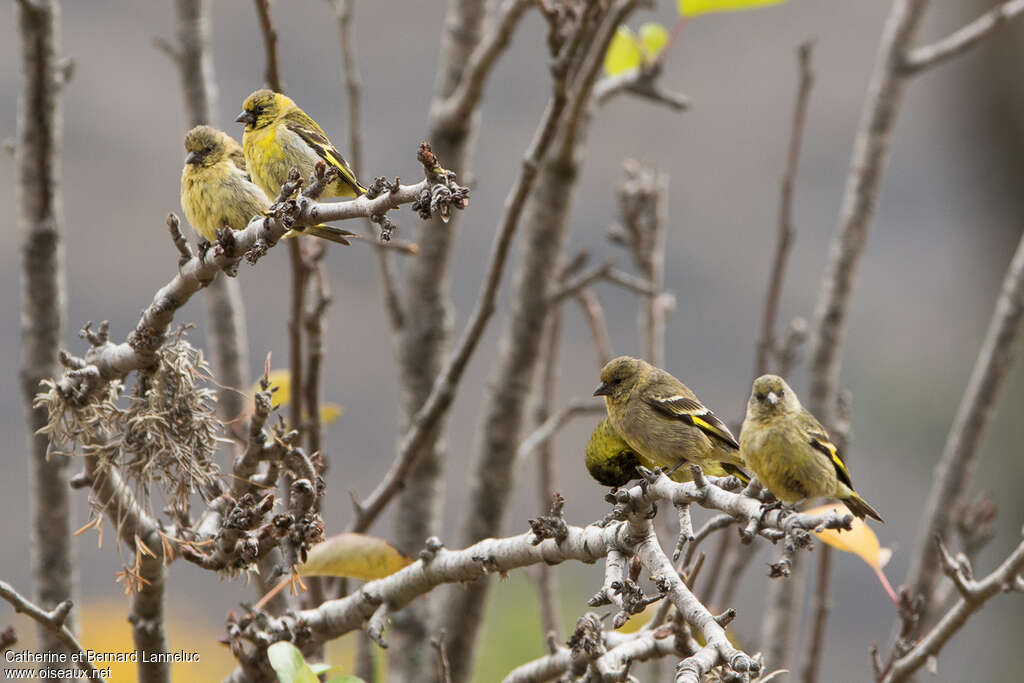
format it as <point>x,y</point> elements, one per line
<point>166,434</point>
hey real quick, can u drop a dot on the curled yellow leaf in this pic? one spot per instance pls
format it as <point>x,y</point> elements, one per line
<point>860,540</point>
<point>355,556</point>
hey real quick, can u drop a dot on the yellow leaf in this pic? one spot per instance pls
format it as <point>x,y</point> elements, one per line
<point>653,39</point>
<point>356,556</point>
<point>623,53</point>
<point>329,412</point>
<point>691,8</point>
<point>859,540</point>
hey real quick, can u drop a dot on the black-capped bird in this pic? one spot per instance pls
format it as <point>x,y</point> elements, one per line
<point>217,193</point>
<point>791,453</point>
<point>279,135</point>
<point>663,421</point>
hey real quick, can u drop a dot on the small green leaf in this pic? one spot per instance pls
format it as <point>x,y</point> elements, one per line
<point>344,679</point>
<point>623,53</point>
<point>691,8</point>
<point>653,39</point>
<point>289,664</point>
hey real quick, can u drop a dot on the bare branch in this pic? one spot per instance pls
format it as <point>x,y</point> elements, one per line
<point>463,101</point>
<point>443,391</point>
<point>53,621</point>
<point>271,75</point>
<point>598,329</point>
<point>953,474</point>
<point>540,436</point>
<point>343,10</point>
<point>114,361</point>
<point>766,345</point>
<point>974,595</point>
<point>927,56</point>
<point>642,82</point>
<point>37,157</point>
<point>633,535</point>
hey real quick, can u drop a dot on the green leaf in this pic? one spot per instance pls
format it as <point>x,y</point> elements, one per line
<point>623,53</point>
<point>344,679</point>
<point>289,664</point>
<point>691,8</point>
<point>653,39</point>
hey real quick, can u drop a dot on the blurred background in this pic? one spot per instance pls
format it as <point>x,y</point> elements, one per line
<point>949,217</point>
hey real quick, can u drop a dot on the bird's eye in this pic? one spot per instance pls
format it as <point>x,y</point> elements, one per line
<point>208,149</point>
<point>259,110</point>
<point>760,397</point>
<point>781,392</point>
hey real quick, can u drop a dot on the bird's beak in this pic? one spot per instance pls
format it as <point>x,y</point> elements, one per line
<point>773,398</point>
<point>602,389</point>
<point>193,158</point>
<point>246,117</point>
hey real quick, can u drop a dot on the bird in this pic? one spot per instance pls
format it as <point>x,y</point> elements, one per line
<point>791,453</point>
<point>663,421</point>
<point>279,135</point>
<point>612,462</point>
<point>217,193</point>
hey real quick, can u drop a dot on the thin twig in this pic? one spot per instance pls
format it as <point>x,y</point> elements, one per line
<point>271,73</point>
<point>343,10</point>
<point>542,434</point>
<point>963,39</point>
<point>594,313</point>
<point>766,346</point>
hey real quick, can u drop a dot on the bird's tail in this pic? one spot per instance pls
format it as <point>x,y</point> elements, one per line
<point>325,232</point>
<point>861,508</point>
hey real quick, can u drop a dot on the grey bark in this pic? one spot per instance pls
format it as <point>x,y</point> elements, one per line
<point>426,334</point>
<point>37,157</point>
<point>962,451</point>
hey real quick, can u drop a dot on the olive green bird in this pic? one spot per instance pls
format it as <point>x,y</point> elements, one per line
<point>663,421</point>
<point>611,461</point>
<point>217,193</point>
<point>279,135</point>
<point>791,453</point>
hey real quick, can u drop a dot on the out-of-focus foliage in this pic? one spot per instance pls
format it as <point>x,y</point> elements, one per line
<point>692,8</point>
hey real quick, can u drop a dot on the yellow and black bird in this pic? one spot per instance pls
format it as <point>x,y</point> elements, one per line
<point>612,462</point>
<point>217,193</point>
<point>663,421</point>
<point>279,135</point>
<point>791,453</point>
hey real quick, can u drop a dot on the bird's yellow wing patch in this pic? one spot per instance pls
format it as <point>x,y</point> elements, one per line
<point>694,413</point>
<point>313,136</point>
<point>822,443</point>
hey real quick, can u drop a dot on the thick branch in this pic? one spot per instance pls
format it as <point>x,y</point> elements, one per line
<point>39,207</point>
